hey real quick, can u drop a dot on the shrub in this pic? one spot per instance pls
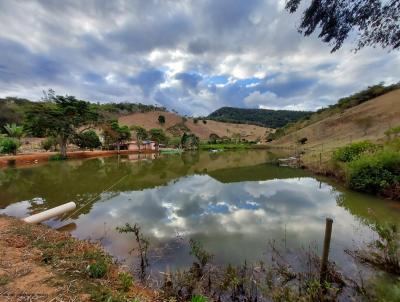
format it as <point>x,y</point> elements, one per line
<point>88,139</point>
<point>353,151</point>
<point>303,140</point>
<point>161,119</point>
<point>49,143</point>
<point>97,269</point>
<point>373,173</point>
<point>9,145</point>
<point>58,156</point>
<point>126,280</point>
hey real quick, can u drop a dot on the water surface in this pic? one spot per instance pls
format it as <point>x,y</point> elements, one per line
<point>235,203</point>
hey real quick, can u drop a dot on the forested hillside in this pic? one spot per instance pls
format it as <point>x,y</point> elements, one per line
<point>262,117</point>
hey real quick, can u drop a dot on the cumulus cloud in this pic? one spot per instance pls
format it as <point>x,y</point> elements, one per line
<point>192,56</point>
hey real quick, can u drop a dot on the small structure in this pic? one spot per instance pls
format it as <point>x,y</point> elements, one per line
<point>144,146</point>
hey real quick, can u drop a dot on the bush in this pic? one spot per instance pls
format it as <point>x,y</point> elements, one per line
<point>373,173</point>
<point>9,145</point>
<point>97,269</point>
<point>353,151</point>
<point>126,280</point>
<point>88,139</point>
<point>49,143</point>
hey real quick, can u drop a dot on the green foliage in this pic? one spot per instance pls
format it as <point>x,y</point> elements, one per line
<point>261,117</point>
<point>204,122</point>
<point>4,280</point>
<point>195,120</point>
<point>374,23</point>
<point>13,130</point>
<point>393,132</point>
<point>49,143</point>
<point>61,117</point>
<point>9,145</point>
<point>126,280</point>
<point>113,133</point>
<point>353,151</point>
<point>158,135</point>
<point>57,157</point>
<point>87,139</point>
<point>198,298</point>
<point>198,251</point>
<point>373,173</point>
<point>161,119</point>
<point>189,141</point>
<point>97,269</point>
<point>141,133</point>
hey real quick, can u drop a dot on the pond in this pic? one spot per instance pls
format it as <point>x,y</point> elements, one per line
<point>234,203</point>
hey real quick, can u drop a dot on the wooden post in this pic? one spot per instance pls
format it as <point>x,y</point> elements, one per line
<point>325,252</point>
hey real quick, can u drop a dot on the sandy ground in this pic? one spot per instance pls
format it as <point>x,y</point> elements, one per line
<point>149,120</point>
<point>25,277</point>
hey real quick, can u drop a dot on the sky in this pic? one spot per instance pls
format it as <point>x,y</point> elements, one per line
<point>190,56</point>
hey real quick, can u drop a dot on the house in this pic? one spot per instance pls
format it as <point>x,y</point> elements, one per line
<point>145,145</point>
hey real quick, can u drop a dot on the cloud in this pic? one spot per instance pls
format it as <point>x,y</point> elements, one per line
<point>192,56</point>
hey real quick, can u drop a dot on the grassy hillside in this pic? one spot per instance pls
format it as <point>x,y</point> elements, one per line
<point>176,125</point>
<point>340,107</point>
<point>261,117</point>
<point>333,128</point>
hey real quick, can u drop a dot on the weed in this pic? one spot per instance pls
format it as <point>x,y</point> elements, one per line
<point>4,280</point>
<point>197,250</point>
<point>353,151</point>
<point>126,280</point>
<point>97,269</point>
<point>143,245</point>
<point>198,298</point>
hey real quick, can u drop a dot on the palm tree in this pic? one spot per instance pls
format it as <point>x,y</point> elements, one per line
<point>13,130</point>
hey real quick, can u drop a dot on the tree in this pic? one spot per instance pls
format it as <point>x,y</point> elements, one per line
<point>375,21</point>
<point>213,138</point>
<point>189,141</point>
<point>87,139</point>
<point>302,140</point>
<point>141,134</point>
<point>158,135</point>
<point>161,119</point>
<point>62,117</point>
<point>14,131</point>
<point>115,134</point>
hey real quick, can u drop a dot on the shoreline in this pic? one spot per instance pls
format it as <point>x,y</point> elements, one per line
<point>44,264</point>
<point>27,159</point>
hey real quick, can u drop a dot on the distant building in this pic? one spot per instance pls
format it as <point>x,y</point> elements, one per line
<point>145,145</point>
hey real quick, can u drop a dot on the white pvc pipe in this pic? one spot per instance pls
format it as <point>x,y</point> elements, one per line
<point>45,215</point>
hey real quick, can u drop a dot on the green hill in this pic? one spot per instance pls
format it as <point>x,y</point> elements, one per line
<point>262,117</point>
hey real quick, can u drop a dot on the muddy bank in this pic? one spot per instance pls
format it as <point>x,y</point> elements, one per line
<point>33,158</point>
<point>42,264</point>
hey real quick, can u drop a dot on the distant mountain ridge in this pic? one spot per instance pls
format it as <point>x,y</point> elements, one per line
<point>262,117</point>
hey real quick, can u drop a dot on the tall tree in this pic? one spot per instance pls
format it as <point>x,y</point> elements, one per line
<point>62,117</point>
<point>141,134</point>
<point>115,134</point>
<point>375,21</point>
<point>158,135</point>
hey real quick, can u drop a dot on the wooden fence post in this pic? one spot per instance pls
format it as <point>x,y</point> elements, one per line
<point>325,252</point>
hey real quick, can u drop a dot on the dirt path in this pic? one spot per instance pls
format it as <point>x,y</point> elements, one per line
<point>41,264</point>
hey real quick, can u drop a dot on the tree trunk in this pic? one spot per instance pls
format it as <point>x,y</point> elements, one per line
<point>118,147</point>
<point>63,146</point>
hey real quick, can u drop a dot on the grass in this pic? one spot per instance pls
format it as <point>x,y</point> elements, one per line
<point>4,280</point>
<point>80,263</point>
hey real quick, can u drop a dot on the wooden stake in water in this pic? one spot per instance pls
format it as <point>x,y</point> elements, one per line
<point>325,252</point>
